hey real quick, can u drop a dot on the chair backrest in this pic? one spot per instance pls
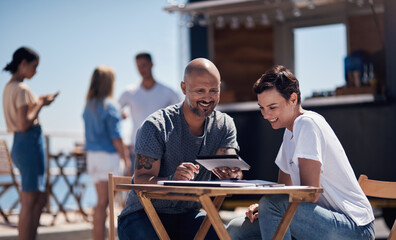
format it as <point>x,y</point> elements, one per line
<point>5,159</point>
<point>380,189</point>
<point>6,168</point>
<point>113,181</point>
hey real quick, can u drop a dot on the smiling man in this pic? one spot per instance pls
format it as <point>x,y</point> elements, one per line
<point>167,145</point>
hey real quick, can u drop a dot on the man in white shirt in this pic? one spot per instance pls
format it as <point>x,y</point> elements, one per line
<point>145,97</point>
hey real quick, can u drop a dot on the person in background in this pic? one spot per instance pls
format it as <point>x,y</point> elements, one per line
<point>21,109</point>
<point>145,97</point>
<point>310,155</point>
<point>104,145</point>
<point>167,145</point>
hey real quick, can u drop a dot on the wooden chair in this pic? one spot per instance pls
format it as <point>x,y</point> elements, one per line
<point>379,189</point>
<point>69,176</point>
<point>113,181</point>
<point>7,169</point>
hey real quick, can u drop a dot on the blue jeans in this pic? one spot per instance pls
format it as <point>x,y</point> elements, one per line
<point>178,226</point>
<point>310,222</point>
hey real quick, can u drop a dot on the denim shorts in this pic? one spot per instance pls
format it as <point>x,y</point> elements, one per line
<point>28,156</point>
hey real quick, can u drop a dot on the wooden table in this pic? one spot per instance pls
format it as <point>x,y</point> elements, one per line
<point>146,192</point>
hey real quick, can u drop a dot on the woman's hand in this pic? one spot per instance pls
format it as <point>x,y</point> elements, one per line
<point>227,173</point>
<point>252,212</point>
<point>27,115</point>
<point>47,99</point>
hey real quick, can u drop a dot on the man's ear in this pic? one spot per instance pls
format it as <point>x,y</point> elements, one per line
<point>183,87</point>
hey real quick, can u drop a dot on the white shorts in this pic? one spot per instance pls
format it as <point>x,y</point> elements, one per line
<point>100,163</point>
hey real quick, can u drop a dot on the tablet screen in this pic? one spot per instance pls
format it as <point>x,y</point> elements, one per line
<point>219,161</point>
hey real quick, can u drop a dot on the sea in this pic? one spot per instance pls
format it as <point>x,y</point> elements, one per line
<point>62,144</point>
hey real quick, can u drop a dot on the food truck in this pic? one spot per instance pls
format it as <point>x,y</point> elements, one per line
<point>246,37</point>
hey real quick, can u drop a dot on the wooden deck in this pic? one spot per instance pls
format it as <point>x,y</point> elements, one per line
<point>79,229</point>
<point>76,228</point>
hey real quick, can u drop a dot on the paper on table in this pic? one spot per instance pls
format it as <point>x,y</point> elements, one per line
<point>222,183</point>
<point>206,183</point>
<point>218,161</point>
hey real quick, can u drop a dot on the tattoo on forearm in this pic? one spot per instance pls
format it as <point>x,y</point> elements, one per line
<point>143,161</point>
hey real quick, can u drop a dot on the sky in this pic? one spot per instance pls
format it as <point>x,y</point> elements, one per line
<point>317,48</point>
<point>73,37</point>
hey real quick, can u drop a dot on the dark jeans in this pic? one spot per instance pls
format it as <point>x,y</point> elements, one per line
<point>178,226</point>
<point>28,155</point>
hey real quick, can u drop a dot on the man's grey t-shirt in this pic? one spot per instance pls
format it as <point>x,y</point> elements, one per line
<point>165,135</point>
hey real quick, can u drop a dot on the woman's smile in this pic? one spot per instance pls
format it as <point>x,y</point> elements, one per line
<point>272,120</point>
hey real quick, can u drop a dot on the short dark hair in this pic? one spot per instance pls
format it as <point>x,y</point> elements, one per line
<point>144,55</point>
<point>22,53</point>
<point>280,78</point>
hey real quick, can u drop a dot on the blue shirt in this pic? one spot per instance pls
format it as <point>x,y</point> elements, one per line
<point>102,125</point>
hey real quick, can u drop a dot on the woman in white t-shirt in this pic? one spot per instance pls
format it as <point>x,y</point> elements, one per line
<point>310,155</point>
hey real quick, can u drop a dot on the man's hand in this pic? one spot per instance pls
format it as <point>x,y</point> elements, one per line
<point>252,212</point>
<point>186,171</point>
<point>227,173</point>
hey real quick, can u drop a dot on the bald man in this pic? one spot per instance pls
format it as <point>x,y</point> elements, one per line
<point>167,145</point>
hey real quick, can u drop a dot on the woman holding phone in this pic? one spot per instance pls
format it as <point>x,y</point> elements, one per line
<point>21,109</point>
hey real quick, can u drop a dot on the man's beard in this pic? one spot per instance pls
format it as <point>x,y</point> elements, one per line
<point>196,111</point>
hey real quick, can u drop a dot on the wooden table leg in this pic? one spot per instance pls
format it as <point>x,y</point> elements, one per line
<point>214,217</point>
<point>153,216</point>
<point>203,230</point>
<point>286,220</point>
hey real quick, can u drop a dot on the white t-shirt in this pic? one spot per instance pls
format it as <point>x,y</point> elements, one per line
<point>313,138</point>
<point>142,102</point>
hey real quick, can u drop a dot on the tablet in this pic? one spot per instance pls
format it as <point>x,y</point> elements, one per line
<point>218,161</point>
